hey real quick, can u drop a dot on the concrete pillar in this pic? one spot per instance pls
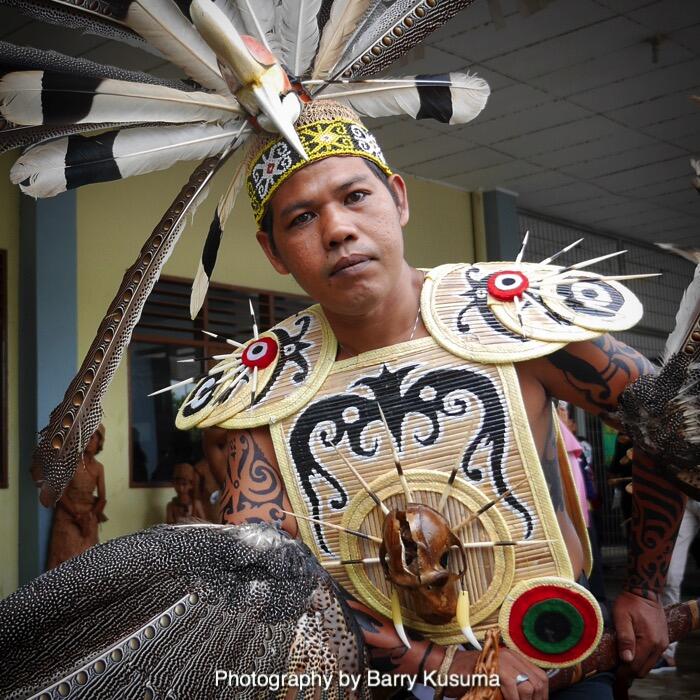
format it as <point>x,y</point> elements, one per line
<point>503,237</point>
<point>47,349</point>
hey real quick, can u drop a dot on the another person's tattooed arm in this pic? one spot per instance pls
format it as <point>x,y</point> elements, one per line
<point>254,491</point>
<point>593,375</point>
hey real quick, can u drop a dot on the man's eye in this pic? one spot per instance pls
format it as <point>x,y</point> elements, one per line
<point>357,196</point>
<point>301,219</point>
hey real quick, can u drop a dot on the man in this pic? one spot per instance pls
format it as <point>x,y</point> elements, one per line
<point>335,224</point>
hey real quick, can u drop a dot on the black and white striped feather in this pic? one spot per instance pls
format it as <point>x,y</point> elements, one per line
<point>451,98</point>
<point>205,269</point>
<point>39,98</point>
<point>67,163</point>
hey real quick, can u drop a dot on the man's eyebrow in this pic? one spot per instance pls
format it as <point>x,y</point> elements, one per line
<point>308,203</point>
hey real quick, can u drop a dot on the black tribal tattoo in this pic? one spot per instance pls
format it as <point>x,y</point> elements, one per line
<point>254,491</point>
<point>598,376</point>
<point>619,365</point>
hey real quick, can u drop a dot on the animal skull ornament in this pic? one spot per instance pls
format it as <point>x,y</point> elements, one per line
<point>414,553</point>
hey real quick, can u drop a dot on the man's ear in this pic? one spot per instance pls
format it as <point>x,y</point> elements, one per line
<point>397,185</point>
<point>265,242</point>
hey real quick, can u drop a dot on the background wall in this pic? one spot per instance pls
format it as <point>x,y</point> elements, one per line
<point>9,241</point>
<point>114,219</point>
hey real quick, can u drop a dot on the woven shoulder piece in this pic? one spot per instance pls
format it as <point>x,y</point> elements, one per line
<point>508,312</point>
<point>268,378</point>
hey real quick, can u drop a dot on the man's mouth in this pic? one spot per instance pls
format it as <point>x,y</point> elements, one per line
<point>349,262</point>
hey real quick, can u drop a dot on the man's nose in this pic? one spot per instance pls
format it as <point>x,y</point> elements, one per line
<point>338,226</point>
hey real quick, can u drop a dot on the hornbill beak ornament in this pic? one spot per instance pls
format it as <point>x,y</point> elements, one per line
<point>252,73</point>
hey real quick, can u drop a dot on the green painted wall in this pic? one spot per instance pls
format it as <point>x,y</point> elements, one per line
<point>9,497</point>
<point>114,219</point>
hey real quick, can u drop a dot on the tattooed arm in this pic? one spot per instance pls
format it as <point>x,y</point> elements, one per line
<point>254,491</point>
<point>593,375</point>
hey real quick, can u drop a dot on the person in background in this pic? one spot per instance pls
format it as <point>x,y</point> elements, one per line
<point>184,505</point>
<point>585,487</point>
<point>210,471</point>
<point>79,511</point>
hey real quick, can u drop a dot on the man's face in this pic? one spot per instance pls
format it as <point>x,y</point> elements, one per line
<point>338,231</point>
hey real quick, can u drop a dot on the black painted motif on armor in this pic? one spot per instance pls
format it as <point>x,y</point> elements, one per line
<point>430,395</point>
<point>291,349</point>
<point>477,296</point>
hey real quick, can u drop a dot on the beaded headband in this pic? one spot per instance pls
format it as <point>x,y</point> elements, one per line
<point>325,129</point>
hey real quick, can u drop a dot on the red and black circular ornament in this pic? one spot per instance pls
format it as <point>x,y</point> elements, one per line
<point>505,285</point>
<point>553,622</point>
<point>260,353</point>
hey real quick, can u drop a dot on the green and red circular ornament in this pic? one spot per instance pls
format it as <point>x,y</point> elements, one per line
<point>553,622</point>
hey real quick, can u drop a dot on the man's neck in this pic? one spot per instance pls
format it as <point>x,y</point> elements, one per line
<point>396,319</point>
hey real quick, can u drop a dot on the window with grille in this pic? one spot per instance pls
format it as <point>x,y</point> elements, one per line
<point>165,335</point>
<point>3,370</point>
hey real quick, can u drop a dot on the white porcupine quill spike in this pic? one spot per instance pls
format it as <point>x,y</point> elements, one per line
<point>60,445</point>
<point>37,98</point>
<point>687,317</point>
<point>298,22</point>
<point>210,251</point>
<point>259,21</point>
<point>451,98</point>
<point>162,25</point>
<point>41,171</point>
<point>341,25</point>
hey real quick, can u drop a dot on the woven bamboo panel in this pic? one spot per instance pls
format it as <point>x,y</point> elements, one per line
<point>439,408</point>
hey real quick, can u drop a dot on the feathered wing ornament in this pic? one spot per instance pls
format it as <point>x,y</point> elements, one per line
<point>161,610</point>
<point>662,412</point>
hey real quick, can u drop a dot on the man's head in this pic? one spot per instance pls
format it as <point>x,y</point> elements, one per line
<point>334,222</point>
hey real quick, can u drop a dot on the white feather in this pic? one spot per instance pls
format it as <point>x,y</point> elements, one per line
<point>228,7</point>
<point>259,21</point>
<point>162,25</point>
<point>343,20</point>
<point>299,33</point>
<point>687,317</point>
<point>135,151</point>
<point>394,96</point>
<point>113,101</point>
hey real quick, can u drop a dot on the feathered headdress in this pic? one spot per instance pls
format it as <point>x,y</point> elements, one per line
<point>252,65</point>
